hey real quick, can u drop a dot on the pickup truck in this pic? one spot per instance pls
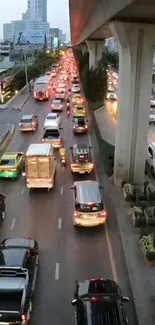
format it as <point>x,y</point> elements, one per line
<point>52,136</point>
<point>18,273</point>
<point>99,301</point>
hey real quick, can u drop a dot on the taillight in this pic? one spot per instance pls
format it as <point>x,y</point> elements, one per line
<point>93,299</point>
<point>35,94</point>
<point>76,214</point>
<point>24,318</point>
<point>20,124</point>
<point>86,127</point>
<point>46,93</point>
<point>103,214</point>
<point>33,123</point>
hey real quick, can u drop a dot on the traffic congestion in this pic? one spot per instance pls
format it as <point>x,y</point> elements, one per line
<point>60,240</point>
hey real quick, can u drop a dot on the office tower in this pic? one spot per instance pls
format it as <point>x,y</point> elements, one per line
<point>7,32</point>
<point>36,10</point>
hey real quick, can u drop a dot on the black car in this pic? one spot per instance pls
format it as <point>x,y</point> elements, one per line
<point>99,301</point>
<point>18,273</point>
<point>81,159</point>
<point>80,125</point>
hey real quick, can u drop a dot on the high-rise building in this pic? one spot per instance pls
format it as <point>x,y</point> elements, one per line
<point>36,10</point>
<point>23,29</point>
<point>7,32</point>
<point>55,32</point>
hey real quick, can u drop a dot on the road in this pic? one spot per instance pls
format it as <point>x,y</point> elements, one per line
<point>66,254</point>
<point>108,123</point>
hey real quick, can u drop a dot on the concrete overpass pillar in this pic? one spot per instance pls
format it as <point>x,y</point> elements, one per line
<point>84,48</point>
<point>95,48</point>
<point>136,51</point>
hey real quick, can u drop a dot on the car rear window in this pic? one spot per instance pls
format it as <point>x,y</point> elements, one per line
<point>79,108</point>
<point>81,122</point>
<point>56,102</point>
<point>7,162</point>
<point>50,117</point>
<point>52,133</point>
<point>89,207</point>
<point>26,120</point>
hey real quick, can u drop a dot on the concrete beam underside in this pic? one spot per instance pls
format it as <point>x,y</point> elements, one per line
<point>136,51</point>
<point>95,48</point>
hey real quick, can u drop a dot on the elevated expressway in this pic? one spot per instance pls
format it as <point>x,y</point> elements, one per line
<point>132,23</point>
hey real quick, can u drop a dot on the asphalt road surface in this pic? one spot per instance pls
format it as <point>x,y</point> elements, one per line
<point>66,254</point>
<point>110,124</point>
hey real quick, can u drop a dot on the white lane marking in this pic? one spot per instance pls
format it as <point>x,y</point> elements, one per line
<point>59,223</point>
<point>57,269</point>
<point>110,250</point>
<point>13,223</point>
<point>23,190</point>
<point>62,190</point>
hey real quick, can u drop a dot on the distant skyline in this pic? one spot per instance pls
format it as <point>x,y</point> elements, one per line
<point>57,13</point>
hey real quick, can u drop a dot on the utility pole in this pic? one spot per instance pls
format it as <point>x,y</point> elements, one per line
<point>26,74</point>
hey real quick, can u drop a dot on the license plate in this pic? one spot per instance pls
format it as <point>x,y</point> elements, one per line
<point>81,172</point>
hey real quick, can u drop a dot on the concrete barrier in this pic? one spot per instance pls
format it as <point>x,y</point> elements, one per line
<point>6,137</point>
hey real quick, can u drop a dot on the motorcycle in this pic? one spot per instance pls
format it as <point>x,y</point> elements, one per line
<point>63,160</point>
<point>17,108</point>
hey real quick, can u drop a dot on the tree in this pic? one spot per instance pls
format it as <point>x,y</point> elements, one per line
<point>95,83</point>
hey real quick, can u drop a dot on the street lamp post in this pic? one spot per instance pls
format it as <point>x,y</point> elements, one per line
<point>26,74</point>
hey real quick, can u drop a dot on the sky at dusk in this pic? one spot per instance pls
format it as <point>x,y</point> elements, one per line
<point>57,12</point>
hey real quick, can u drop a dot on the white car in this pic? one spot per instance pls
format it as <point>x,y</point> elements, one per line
<point>152,101</point>
<point>52,119</point>
<point>152,116</point>
<point>75,89</point>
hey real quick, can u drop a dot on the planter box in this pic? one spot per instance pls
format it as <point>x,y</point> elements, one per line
<point>148,263</point>
<point>138,220</point>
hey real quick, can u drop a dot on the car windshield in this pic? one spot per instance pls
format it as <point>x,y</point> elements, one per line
<point>95,207</point>
<point>26,120</point>
<point>50,117</point>
<point>56,102</point>
<point>7,162</point>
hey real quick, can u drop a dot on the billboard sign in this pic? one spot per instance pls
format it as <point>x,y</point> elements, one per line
<point>55,43</point>
<point>29,37</point>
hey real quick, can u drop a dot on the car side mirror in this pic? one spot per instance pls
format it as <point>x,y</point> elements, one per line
<point>74,302</point>
<point>125,299</point>
<point>90,147</point>
<point>61,128</point>
<point>72,187</point>
<point>71,148</point>
<point>101,187</point>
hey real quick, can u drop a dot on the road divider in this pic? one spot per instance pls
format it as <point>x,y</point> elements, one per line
<point>59,223</point>
<point>13,223</point>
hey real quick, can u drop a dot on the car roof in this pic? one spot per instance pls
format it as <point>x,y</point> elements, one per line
<point>22,242</point>
<point>80,147</point>
<point>98,286</point>
<point>28,116</point>
<point>12,256</point>
<point>9,155</point>
<point>88,192</point>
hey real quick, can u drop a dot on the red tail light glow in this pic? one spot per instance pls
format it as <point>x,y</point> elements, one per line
<point>103,213</point>
<point>93,299</point>
<point>76,214</point>
<point>86,127</point>
<point>24,318</point>
<point>33,123</point>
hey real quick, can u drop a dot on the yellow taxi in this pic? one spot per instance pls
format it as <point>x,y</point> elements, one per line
<point>78,111</point>
<point>11,164</point>
<point>77,99</point>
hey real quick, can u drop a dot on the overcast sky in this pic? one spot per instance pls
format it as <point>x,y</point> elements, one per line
<point>57,13</point>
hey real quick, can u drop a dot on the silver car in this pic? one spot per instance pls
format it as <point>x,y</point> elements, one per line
<point>152,116</point>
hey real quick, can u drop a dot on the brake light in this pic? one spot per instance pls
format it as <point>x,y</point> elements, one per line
<point>46,94</point>
<point>24,318</point>
<point>86,127</point>
<point>20,124</point>
<point>90,204</point>
<point>35,94</point>
<point>76,214</point>
<point>93,299</point>
<point>103,213</point>
<point>82,157</point>
<point>33,123</point>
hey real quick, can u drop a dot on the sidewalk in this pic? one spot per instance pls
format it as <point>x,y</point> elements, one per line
<point>20,100</point>
<point>142,277</point>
